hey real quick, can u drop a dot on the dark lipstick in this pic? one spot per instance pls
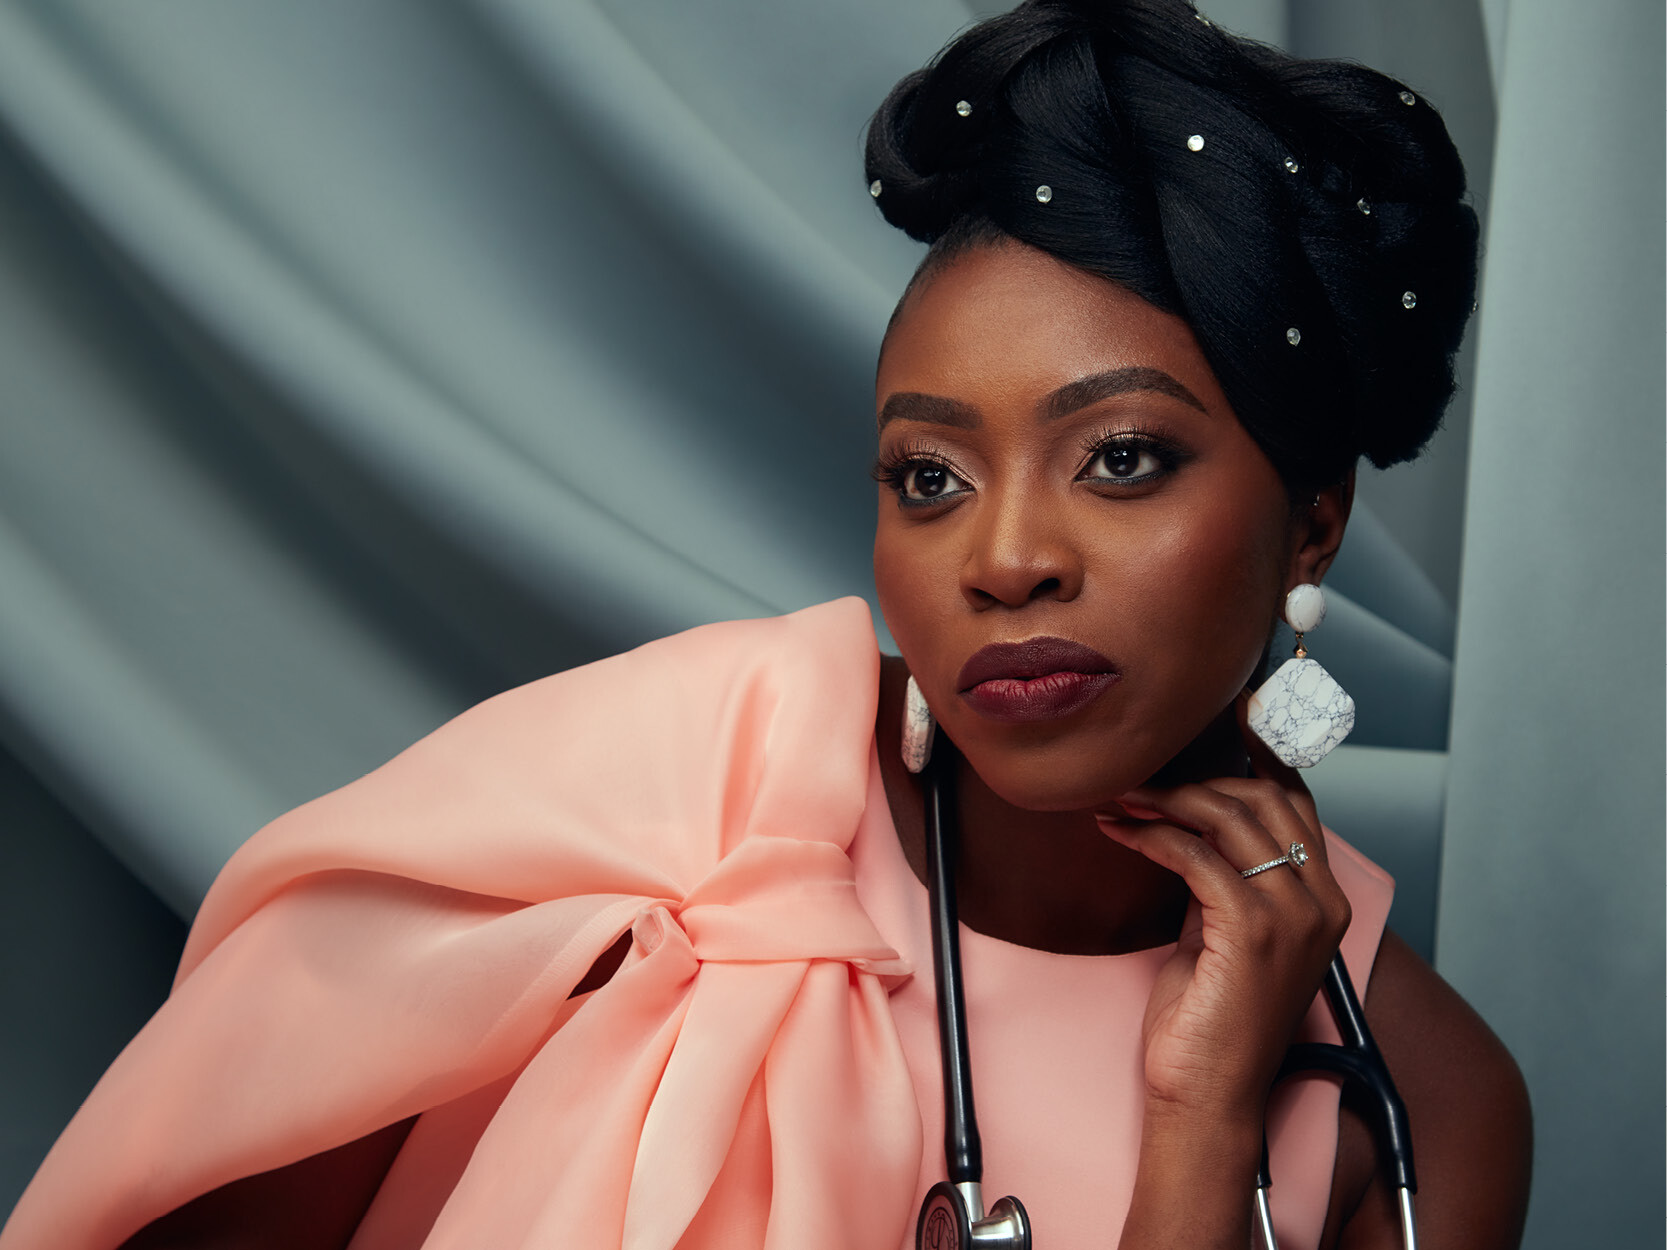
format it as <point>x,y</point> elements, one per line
<point>1038,679</point>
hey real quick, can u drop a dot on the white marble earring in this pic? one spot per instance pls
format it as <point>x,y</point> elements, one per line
<point>918,728</point>
<point>1301,712</point>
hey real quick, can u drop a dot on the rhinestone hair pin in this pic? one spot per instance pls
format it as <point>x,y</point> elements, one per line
<point>1044,193</point>
<point>874,188</point>
<point>964,108</point>
<point>1195,143</point>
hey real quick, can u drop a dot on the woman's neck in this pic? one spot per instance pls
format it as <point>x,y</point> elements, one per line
<point>1048,880</point>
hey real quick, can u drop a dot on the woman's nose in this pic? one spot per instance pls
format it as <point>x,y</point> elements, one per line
<point>1020,553</point>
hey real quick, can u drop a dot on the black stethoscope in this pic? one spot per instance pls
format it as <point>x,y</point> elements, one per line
<point>953,1216</point>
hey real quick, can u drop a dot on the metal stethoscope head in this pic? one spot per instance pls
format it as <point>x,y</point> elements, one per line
<point>953,1216</point>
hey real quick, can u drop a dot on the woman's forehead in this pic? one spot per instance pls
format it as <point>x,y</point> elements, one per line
<point>1011,321</point>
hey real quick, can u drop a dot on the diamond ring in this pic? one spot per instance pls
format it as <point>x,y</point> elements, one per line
<point>1295,857</point>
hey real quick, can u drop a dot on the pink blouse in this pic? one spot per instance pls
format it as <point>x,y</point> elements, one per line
<point>761,1071</point>
<point>1056,1057</point>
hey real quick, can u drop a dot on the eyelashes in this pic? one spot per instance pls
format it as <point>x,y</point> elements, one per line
<point>1113,460</point>
<point>919,475</point>
<point>1130,457</point>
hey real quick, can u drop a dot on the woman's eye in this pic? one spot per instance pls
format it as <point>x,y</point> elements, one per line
<point>1124,462</point>
<point>924,481</point>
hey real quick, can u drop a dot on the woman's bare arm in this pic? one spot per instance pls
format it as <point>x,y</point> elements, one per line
<point>1468,1109</point>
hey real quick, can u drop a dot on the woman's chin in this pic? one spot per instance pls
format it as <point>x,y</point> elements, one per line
<point>1037,784</point>
<point>1087,775</point>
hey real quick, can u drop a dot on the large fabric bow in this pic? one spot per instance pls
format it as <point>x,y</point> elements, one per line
<point>407,945</point>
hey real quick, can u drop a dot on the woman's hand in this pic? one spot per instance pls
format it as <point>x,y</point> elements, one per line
<point>1250,958</point>
<point>1253,951</point>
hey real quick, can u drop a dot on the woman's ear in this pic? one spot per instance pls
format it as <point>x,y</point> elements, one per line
<point>1317,532</point>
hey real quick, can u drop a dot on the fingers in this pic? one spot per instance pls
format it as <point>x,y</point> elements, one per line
<point>1247,828</point>
<point>1288,825</point>
<point>1211,832</point>
<point>1241,823</point>
<point>1271,805</point>
<point>1213,881</point>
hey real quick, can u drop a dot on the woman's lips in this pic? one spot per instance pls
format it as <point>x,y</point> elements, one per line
<point>1038,679</point>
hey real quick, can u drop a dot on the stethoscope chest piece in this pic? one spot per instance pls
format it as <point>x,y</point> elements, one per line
<point>952,1218</point>
<point>943,1223</point>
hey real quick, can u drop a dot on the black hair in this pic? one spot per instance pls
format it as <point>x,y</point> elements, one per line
<point>1318,196</point>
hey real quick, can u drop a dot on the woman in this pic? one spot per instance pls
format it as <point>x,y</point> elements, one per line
<point>624,956</point>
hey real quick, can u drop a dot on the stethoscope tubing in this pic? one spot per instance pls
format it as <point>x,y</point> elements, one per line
<point>1357,1059</point>
<point>953,1216</point>
<point>963,1149</point>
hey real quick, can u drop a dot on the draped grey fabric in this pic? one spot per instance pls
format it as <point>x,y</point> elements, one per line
<point>362,360</point>
<point>1551,902</point>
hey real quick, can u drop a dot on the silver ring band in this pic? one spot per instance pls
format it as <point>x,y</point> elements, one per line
<point>1295,857</point>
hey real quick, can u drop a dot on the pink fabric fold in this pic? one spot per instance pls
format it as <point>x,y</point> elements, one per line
<point>407,945</point>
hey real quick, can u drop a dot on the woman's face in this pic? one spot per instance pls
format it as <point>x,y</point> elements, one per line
<point>1063,481</point>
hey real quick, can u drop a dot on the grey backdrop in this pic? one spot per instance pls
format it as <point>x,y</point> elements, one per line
<point>358,361</point>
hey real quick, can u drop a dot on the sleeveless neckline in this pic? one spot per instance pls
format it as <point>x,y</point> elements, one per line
<point>878,847</point>
<point>1060,1093</point>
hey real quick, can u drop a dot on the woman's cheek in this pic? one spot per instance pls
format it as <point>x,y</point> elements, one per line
<point>1216,588</point>
<point>915,590</point>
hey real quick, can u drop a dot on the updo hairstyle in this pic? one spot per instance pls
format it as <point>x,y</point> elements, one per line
<point>1305,218</point>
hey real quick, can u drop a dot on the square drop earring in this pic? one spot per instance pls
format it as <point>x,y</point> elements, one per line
<point>1301,712</point>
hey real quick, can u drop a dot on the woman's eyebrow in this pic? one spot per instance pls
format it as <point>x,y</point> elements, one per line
<point>1097,386</point>
<point>932,409</point>
<point>1073,396</point>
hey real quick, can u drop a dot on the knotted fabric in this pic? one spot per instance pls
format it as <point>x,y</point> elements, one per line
<point>407,946</point>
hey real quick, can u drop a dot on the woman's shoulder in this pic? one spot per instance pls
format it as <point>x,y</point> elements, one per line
<point>700,698</point>
<point>677,683</point>
<point>662,757</point>
<point>690,694</point>
<point>818,638</point>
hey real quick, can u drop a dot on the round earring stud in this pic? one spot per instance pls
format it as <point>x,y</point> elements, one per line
<point>1305,608</point>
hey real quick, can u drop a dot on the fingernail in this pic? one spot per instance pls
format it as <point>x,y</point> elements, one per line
<point>1130,803</point>
<point>1127,816</point>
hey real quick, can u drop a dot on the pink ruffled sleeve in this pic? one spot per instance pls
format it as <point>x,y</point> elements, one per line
<point>408,943</point>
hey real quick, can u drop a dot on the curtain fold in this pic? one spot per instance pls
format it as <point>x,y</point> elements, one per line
<point>364,360</point>
<point>1551,918</point>
<point>344,368</point>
